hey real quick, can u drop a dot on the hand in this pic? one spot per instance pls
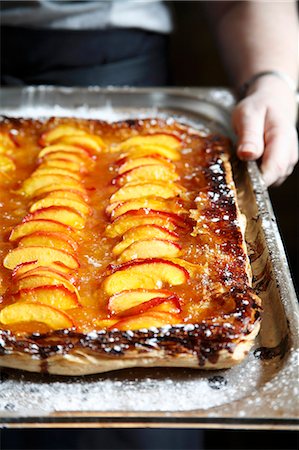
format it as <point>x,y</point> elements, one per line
<point>264,122</point>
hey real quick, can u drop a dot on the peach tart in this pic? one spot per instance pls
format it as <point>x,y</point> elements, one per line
<point>121,245</point>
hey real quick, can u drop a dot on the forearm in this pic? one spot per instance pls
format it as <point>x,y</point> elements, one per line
<point>255,36</point>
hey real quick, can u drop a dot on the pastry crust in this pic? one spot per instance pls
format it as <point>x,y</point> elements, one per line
<point>84,361</point>
<point>212,343</point>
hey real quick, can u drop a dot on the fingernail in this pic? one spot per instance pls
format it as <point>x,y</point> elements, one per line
<point>247,151</point>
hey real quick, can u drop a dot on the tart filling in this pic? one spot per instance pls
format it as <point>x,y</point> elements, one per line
<point>115,228</point>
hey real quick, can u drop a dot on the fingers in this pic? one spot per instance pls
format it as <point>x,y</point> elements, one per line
<point>263,131</point>
<point>249,122</point>
<point>281,151</point>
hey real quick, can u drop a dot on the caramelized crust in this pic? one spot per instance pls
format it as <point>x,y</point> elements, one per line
<point>121,245</point>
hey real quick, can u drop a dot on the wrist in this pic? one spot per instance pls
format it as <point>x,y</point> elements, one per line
<point>272,92</point>
<point>267,80</point>
<point>271,85</point>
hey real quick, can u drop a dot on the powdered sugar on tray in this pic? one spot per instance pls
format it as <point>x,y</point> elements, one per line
<point>256,388</point>
<point>110,104</point>
<point>144,390</point>
<point>134,390</point>
<point>83,112</point>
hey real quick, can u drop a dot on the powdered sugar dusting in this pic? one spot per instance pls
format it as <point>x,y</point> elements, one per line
<point>256,388</point>
<point>150,390</point>
<point>135,390</point>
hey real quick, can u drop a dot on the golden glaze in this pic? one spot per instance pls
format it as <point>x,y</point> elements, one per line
<point>207,228</point>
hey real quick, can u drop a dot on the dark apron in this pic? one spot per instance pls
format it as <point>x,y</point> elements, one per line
<point>83,57</point>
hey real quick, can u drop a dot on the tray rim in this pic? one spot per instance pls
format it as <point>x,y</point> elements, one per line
<point>192,418</point>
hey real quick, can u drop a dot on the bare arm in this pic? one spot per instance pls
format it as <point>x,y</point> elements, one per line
<point>255,36</point>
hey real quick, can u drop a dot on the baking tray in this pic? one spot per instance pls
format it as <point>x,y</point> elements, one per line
<point>261,392</point>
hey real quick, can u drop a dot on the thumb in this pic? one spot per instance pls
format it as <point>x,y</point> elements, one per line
<point>249,126</point>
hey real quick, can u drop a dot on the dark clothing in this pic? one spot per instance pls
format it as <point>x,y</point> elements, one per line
<point>83,57</point>
<point>103,439</point>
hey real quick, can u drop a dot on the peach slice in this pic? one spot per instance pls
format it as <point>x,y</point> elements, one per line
<point>144,232</point>
<point>57,171</point>
<point>6,142</point>
<point>150,231</point>
<point>151,150</point>
<point>169,304</point>
<point>37,182</point>
<point>64,215</point>
<point>57,296</point>
<point>25,228</point>
<point>47,239</point>
<point>105,323</point>
<point>41,255</point>
<point>144,216</point>
<point>35,281</point>
<point>89,142</point>
<point>150,248</point>
<point>146,173</point>
<point>148,320</point>
<point>29,268</point>
<point>61,163</point>
<point>67,194</point>
<point>129,163</point>
<point>59,132</point>
<point>155,203</point>
<point>146,189</point>
<point>192,268</point>
<point>6,164</point>
<point>35,312</point>
<point>164,139</point>
<point>65,187</point>
<point>129,299</point>
<point>65,148</point>
<point>68,156</point>
<point>146,273</point>
<point>79,206</point>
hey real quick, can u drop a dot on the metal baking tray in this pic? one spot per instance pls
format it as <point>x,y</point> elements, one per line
<point>261,392</point>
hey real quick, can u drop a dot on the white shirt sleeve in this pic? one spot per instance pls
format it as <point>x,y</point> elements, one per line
<point>148,15</point>
<point>151,15</point>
